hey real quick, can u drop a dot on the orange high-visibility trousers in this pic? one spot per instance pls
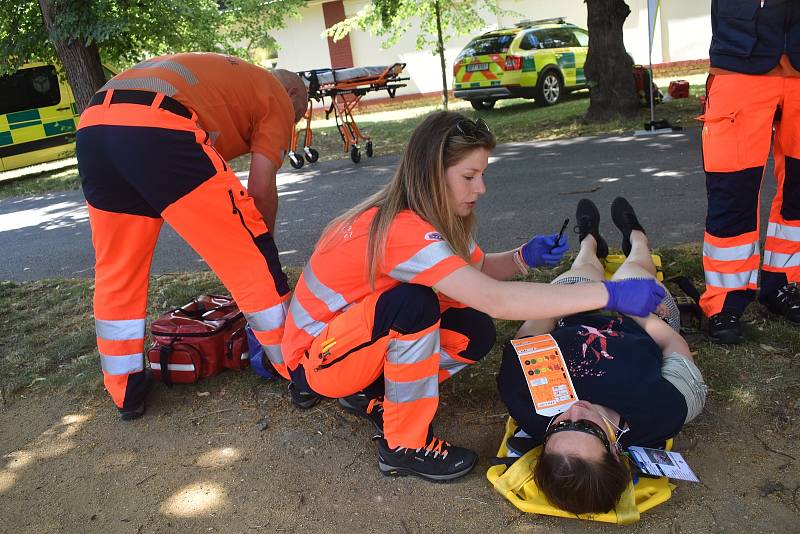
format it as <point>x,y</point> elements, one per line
<point>741,113</point>
<point>401,335</point>
<point>144,160</point>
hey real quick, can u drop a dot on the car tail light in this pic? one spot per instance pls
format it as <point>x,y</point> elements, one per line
<point>513,62</point>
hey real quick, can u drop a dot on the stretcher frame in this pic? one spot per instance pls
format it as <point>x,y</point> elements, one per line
<point>345,95</point>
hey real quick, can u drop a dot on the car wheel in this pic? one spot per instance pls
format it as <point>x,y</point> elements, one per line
<point>549,89</point>
<point>482,104</point>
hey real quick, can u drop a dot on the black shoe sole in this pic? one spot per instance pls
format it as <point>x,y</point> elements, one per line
<point>354,410</point>
<point>391,471</point>
<point>131,415</point>
<point>726,338</point>
<point>306,404</point>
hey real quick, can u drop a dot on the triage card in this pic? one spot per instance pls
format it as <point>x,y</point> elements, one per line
<point>546,373</point>
<point>662,463</point>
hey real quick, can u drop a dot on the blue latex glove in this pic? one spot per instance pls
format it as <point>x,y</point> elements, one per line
<point>634,297</point>
<point>544,250</point>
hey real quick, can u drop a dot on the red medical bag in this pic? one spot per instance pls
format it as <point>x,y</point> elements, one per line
<point>198,340</point>
<point>678,89</point>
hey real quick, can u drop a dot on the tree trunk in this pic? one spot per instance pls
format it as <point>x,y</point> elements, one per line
<point>81,63</point>
<point>609,68</point>
<point>440,49</point>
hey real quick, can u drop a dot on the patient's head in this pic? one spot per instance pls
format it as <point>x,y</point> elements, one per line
<point>579,469</point>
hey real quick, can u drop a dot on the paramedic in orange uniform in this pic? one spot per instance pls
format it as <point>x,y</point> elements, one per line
<point>365,324</point>
<point>152,146</point>
<point>753,98</point>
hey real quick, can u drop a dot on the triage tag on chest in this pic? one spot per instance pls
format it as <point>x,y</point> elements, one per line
<point>546,374</point>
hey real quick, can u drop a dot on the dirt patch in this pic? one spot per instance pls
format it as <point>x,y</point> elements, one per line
<point>201,462</point>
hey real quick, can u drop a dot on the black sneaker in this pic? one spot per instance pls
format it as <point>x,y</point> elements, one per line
<point>438,461</point>
<point>625,219</point>
<point>785,302</point>
<point>589,223</point>
<point>130,415</point>
<point>138,388</point>
<point>725,328</point>
<point>303,399</point>
<point>361,405</point>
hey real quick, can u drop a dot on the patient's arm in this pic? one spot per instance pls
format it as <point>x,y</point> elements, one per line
<point>534,327</point>
<point>667,339</point>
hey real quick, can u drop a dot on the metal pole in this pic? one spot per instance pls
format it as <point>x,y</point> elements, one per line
<point>650,59</point>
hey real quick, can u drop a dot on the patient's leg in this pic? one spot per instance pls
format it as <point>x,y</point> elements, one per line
<point>586,264</point>
<point>639,263</point>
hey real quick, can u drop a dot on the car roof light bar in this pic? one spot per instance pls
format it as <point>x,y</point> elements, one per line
<point>554,20</point>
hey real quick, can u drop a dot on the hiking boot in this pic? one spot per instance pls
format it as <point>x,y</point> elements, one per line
<point>725,328</point>
<point>785,302</point>
<point>589,224</point>
<point>138,387</point>
<point>361,405</point>
<point>130,415</point>
<point>625,219</point>
<point>303,399</point>
<point>438,461</point>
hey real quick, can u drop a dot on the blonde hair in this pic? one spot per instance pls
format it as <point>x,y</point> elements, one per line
<point>442,140</point>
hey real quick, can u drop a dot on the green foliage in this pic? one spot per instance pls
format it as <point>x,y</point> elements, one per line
<point>393,18</point>
<point>127,31</point>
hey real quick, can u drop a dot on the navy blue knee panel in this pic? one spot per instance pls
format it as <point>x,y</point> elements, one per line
<point>406,308</point>
<point>733,201</point>
<point>474,325</point>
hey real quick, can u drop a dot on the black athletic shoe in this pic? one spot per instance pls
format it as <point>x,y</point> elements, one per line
<point>785,302</point>
<point>303,399</point>
<point>138,388</point>
<point>361,405</point>
<point>625,218</point>
<point>438,461</point>
<point>589,223</point>
<point>725,328</point>
<point>130,415</point>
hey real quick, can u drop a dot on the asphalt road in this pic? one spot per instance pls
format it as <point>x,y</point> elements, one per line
<point>531,186</point>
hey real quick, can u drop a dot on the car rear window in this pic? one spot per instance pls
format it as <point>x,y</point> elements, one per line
<point>495,44</point>
<point>32,88</point>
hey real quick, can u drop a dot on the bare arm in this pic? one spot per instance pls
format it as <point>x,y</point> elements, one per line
<point>500,265</point>
<point>667,339</point>
<point>520,300</point>
<point>261,186</point>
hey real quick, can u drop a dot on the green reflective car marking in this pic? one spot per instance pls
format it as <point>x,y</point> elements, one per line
<point>5,138</point>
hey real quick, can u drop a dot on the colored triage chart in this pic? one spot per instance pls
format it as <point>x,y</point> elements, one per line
<point>546,373</point>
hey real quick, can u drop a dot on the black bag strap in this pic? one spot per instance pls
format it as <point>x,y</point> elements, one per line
<point>691,291</point>
<point>165,352</point>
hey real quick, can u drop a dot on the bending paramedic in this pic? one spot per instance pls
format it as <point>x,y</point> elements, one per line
<point>152,146</point>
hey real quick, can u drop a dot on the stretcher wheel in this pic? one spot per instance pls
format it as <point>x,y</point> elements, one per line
<point>355,154</point>
<point>311,155</point>
<point>369,149</point>
<point>296,160</point>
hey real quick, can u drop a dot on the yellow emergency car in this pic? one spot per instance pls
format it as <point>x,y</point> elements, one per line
<point>38,117</point>
<point>540,59</point>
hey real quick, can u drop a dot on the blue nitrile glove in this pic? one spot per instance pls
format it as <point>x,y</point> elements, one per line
<point>544,250</point>
<point>634,297</point>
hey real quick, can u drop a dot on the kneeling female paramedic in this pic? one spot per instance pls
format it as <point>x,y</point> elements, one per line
<point>634,376</point>
<point>366,326</point>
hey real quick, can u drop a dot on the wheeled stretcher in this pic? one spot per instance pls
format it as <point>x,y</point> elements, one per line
<point>345,88</point>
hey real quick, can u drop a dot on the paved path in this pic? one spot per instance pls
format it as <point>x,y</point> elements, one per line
<point>532,187</point>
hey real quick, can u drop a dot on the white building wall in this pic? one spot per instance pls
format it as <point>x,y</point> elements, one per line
<point>683,32</point>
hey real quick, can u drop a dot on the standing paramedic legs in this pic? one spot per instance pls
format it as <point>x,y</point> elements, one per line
<point>144,160</point>
<point>740,115</point>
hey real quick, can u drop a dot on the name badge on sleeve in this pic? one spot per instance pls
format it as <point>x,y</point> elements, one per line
<point>546,374</point>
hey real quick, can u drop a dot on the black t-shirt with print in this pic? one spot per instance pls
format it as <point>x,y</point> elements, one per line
<point>612,362</point>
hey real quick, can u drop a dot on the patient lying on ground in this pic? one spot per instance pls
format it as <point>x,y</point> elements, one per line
<point>635,377</point>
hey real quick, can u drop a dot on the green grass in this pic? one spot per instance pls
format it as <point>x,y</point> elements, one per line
<point>48,340</point>
<point>390,124</point>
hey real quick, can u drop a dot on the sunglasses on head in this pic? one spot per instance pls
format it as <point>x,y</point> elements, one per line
<point>581,425</point>
<point>472,128</point>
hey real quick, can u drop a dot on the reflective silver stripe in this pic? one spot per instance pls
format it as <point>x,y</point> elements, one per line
<point>173,366</point>
<point>213,136</point>
<point>402,351</point>
<point>174,66</point>
<point>274,354</point>
<point>782,231</point>
<point>410,391</point>
<point>120,330</point>
<point>778,259</point>
<point>449,364</point>
<point>422,261</point>
<point>731,280</point>
<point>268,319</point>
<point>740,252</point>
<point>333,300</point>
<point>156,85</point>
<point>472,246</point>
<point>303,320</point>
<point>122,365</point>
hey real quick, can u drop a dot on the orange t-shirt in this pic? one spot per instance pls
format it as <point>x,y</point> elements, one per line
<point>783,68</point>
<point>336,275</point>
<point>241,106</point>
